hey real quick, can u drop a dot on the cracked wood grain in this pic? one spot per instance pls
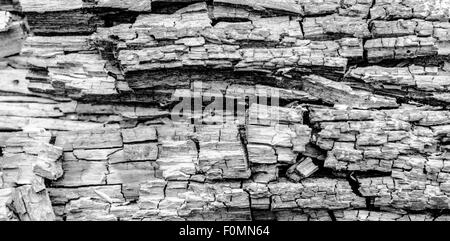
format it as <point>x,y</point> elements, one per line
<point>304,110</point>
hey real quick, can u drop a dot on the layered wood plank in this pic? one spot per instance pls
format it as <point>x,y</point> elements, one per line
<point>224,110</point>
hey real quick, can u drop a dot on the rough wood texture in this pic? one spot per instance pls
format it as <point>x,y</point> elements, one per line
<point>13,32</point>
<point>224,110</point>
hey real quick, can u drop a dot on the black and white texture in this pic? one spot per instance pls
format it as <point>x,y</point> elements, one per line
<point>224,110</point>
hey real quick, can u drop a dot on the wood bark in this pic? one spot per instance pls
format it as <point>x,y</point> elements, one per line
<point>303,110</point>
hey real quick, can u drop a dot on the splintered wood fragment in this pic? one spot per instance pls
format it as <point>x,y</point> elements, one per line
<point>287,6</point>
<point>6,195</point>
<point>104,196</point>
<point>131,5</point>
<point>302,169</point>
<point>270,115</point>
<point>50,5</point>
<point>30,205</point>
<point>334,92</point>
<point>5,19</point>
<point>47,168</point>
<point>306,167</point>
<point>12,34</point>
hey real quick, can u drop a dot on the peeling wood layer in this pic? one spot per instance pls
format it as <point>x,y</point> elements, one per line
<point>225,110</point>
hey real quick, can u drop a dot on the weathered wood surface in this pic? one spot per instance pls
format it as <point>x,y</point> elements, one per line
<point>303,110</point>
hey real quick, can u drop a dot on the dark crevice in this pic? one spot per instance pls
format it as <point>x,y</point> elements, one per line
<point>370,174</point>
<point>369,16</point>
<point>85,21</point>
<point>282,171</point>
<point>243,138</point>
<point>328,173</point>
<point>215,21</point>
<point>53,140</point>
<point>196,143</point>
<point>62,34</point>
<point>434,60</point>
<point>332,216</point>
<point>365,59</point>
<point>370,204</point>
<point>354,184</point>
<point>300,22</point>
<point>113,19</point>
<point>170,7</point>
<point>252,215</point>
<point>52,185</point>
<point>306,118</point>
<point>436,213</point>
